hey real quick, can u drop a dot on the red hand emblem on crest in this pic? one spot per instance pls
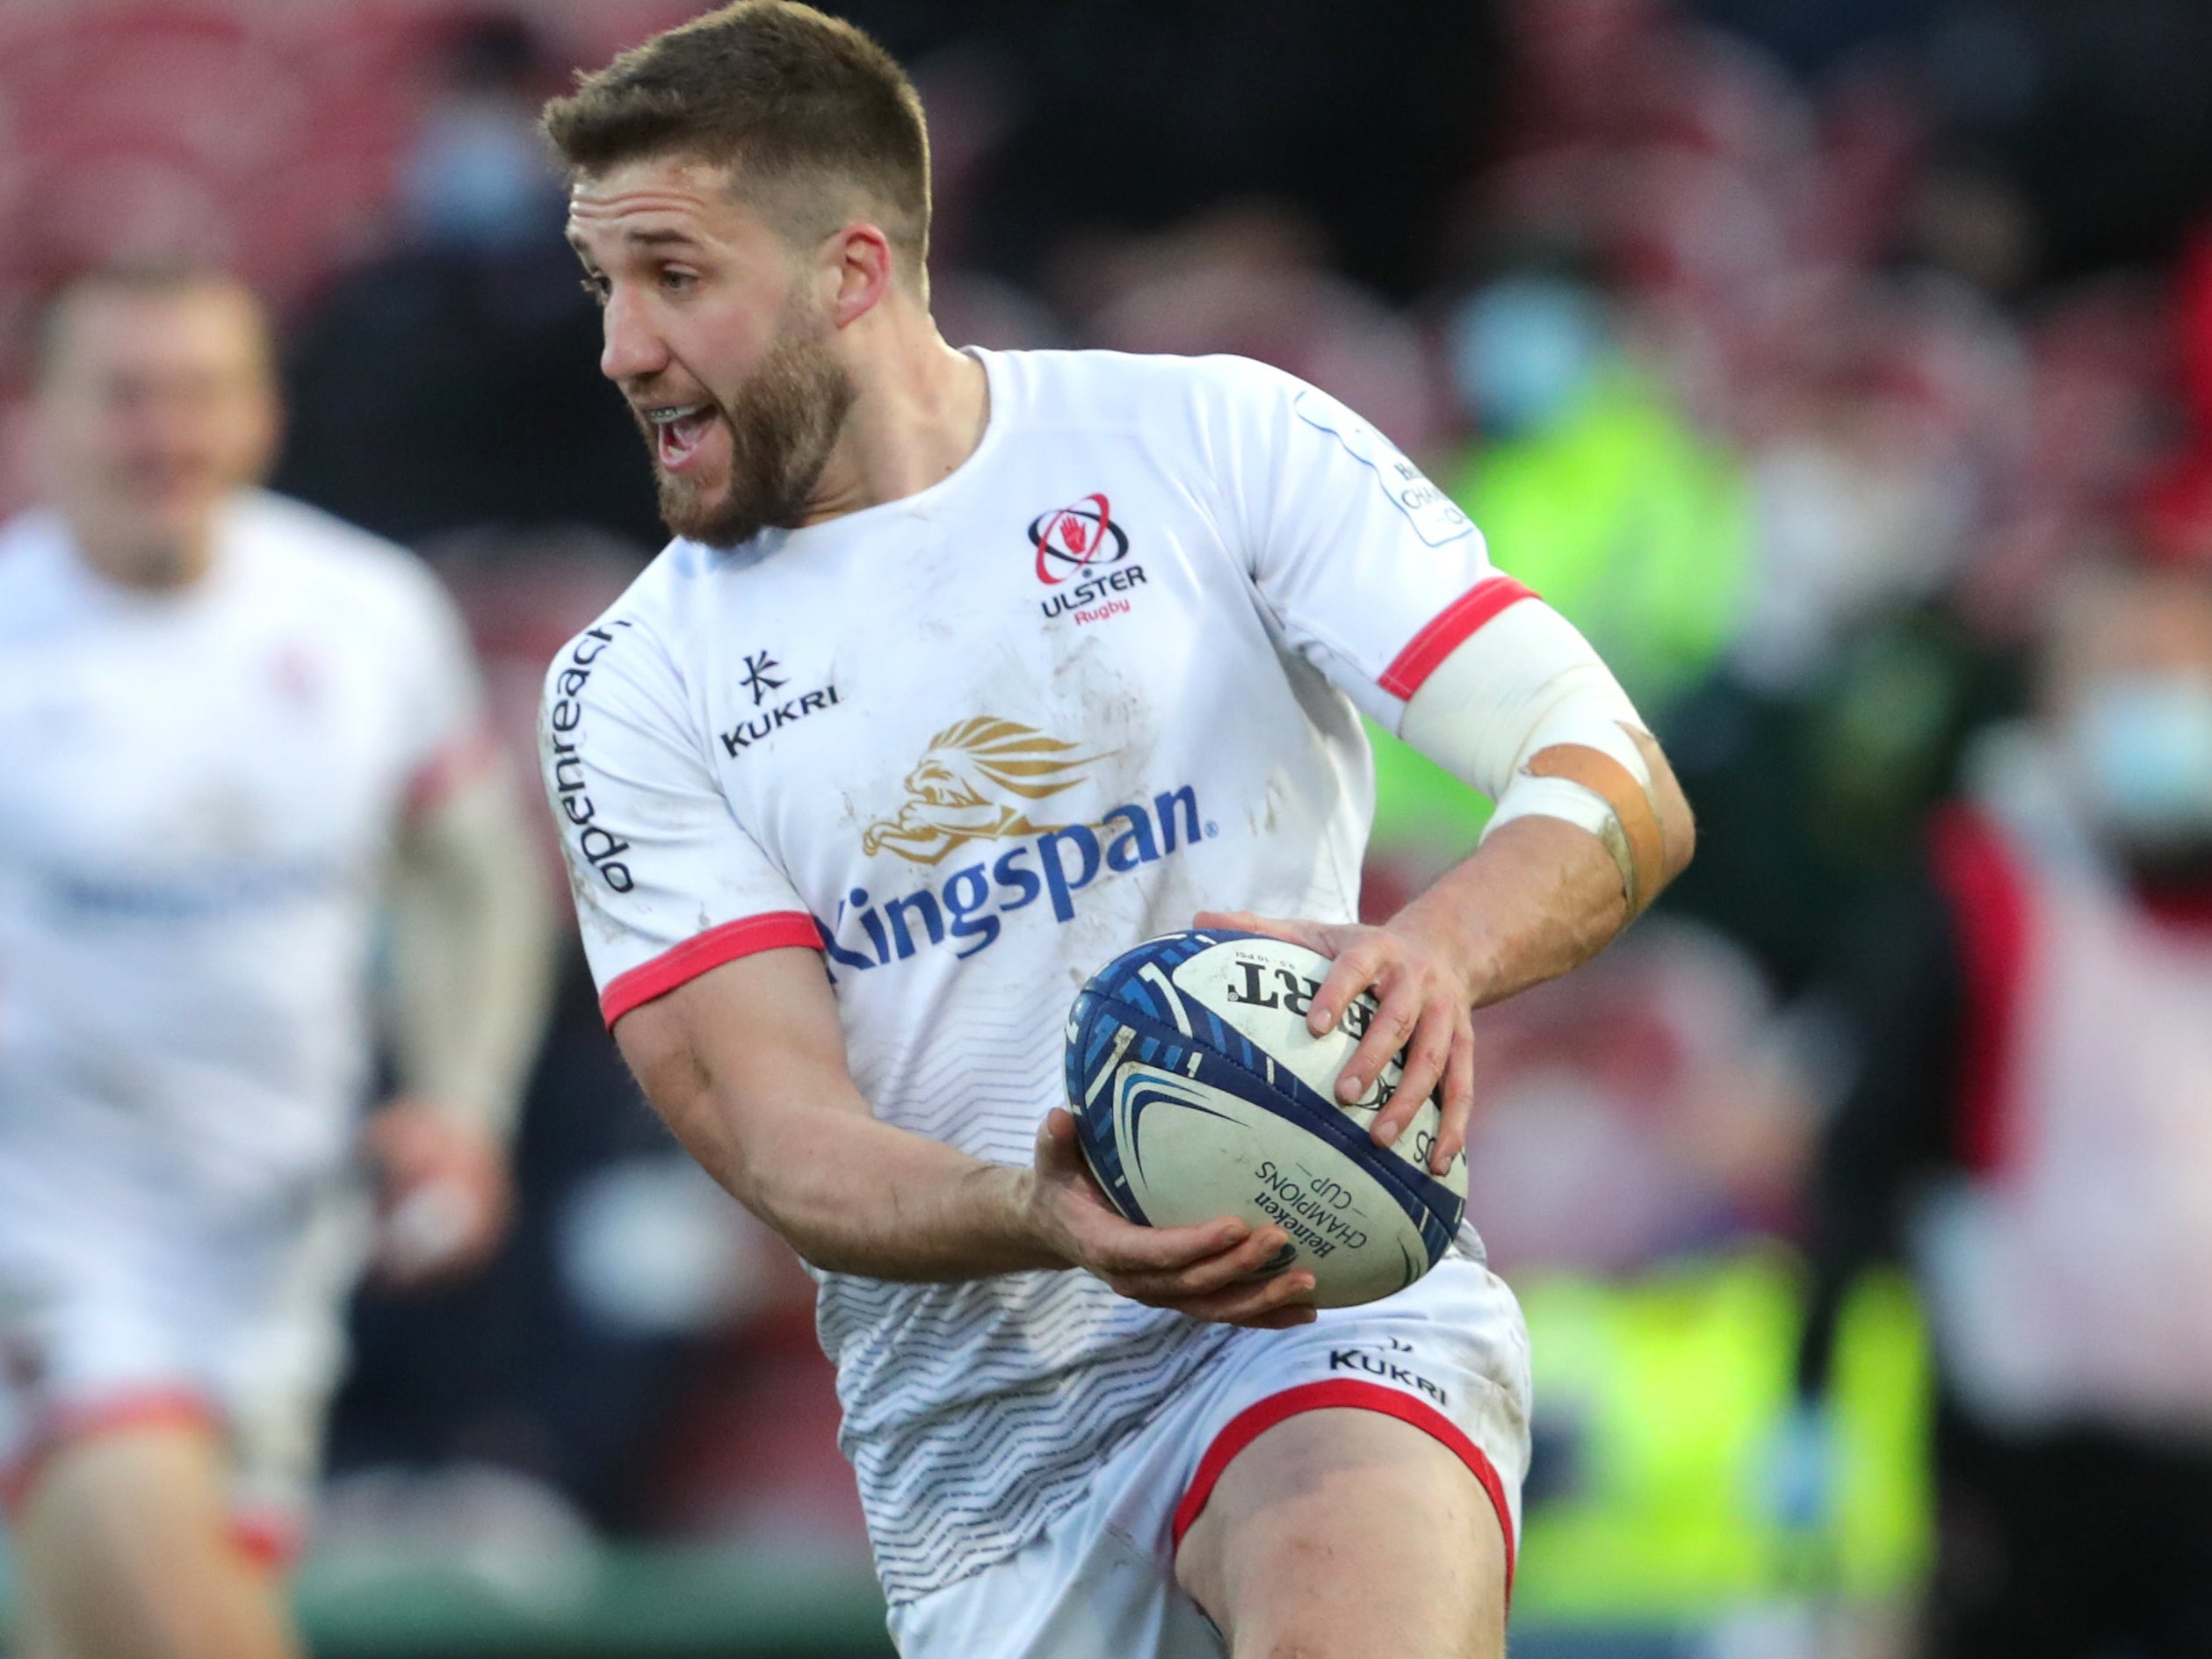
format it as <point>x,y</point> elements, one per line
<point>1072,536</point>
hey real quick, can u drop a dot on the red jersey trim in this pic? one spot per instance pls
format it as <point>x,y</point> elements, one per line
<point>270,1541</point>
<point>67,1425</point>
<point>774,931</point>
<point>1411,667</point>
<point>1988,895</point>
<point>1343,1393</point>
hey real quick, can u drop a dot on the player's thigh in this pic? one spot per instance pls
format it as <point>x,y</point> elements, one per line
<point>1344,1533</point>
<point>125,1545</point>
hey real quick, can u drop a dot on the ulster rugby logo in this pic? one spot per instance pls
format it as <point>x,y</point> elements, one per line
<point>976,783</point>
<point>1083,556</point>
<point>1070,540</point>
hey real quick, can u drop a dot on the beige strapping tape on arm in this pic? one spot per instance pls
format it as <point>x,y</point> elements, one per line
<point>1525,712</point>
<point>1632,834</point>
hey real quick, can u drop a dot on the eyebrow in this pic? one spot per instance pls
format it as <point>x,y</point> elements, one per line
<point>643,239</point>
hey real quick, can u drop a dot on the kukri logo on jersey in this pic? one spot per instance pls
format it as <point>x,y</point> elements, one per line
<point>987,781</point>
<point>1082,554</point>
<point>764,677</point>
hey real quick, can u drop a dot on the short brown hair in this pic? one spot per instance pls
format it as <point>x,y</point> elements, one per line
<point>151,278</point>
<point>806,111</point>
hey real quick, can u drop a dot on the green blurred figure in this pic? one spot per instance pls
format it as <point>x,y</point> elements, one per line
<point>1594,489</point>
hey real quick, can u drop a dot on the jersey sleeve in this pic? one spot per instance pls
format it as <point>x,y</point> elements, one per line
<point>1366,568</point>
<point>448,730</point>
<point>667,883</point>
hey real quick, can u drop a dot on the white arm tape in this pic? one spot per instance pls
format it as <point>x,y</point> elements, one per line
<point>1524,681</point>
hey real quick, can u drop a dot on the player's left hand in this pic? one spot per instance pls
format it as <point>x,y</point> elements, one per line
<point>443,1193</point>
<point>1426,1004</point>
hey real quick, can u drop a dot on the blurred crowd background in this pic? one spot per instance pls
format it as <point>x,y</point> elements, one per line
<point>1801,351</point>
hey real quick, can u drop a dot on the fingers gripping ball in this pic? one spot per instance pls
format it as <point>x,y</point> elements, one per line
<point>1198,1091</point>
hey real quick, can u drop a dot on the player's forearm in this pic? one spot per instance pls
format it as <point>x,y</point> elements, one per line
<point>1541,896</point>
<point>922,1211</point>
<point>747,1065</point>
<point>471,956</point>
<point>1538,898</point>
<point>852,1194</point>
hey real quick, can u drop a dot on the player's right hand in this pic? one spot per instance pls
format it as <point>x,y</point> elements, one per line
<point>445,1195</point>
<point>1217,1270</point>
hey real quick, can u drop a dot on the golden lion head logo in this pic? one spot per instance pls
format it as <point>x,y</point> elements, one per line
<point>974,783</point>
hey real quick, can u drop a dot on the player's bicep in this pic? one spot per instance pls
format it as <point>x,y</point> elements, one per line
<point>742,1062</point>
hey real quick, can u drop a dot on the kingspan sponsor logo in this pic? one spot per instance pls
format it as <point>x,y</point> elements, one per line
<point>966,910</point>
<point>978,781</point>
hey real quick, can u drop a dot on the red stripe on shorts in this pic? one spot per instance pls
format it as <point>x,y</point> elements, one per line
<point>166,1407</point>
<point>270,1541</point>
<point>1345,1393</point>
<point>1411,667</point>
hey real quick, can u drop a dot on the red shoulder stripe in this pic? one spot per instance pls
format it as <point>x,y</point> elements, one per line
<point>1412,666</point>
<point>774,931</point>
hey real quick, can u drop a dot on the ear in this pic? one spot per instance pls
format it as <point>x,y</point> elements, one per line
<point>860,259</point>
<point>267,433</point>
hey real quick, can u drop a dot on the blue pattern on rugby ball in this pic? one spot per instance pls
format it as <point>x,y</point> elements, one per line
<point>1141,1044</point>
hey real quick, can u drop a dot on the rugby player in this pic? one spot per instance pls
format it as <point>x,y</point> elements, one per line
<point>965,672</point>
<point>240,735</point>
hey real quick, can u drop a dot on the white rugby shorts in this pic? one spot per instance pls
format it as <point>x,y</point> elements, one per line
<point>1449,1355</point>
<point>121,1305</point>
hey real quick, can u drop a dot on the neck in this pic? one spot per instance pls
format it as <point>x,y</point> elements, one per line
<point>145,563</point>
<point>919,412</point>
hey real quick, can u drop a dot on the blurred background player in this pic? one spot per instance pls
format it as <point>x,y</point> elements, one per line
<point>2032,1120</point>
<point>241,736</point>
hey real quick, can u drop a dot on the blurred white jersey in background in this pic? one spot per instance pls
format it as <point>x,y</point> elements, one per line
<point>199,795</point>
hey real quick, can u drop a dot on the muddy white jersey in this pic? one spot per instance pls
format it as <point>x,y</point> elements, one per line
<point>201,791</point>
<point>970,744</point>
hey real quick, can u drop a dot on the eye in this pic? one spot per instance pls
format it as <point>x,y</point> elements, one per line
<point>674,281</point>
<point>598,286</point>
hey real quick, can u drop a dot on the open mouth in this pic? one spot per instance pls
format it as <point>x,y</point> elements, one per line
<point>678,431</point>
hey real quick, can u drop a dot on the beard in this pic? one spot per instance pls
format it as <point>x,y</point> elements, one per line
<point>783,424</point>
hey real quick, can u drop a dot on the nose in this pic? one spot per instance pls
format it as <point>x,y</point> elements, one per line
<point>633,348</point>
<point>170,422</point>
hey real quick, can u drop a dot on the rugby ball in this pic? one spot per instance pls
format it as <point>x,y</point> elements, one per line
<point>1198,1091</point>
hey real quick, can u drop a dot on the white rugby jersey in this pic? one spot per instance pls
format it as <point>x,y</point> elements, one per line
<point>201,791</point>
<point>971,744</point>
